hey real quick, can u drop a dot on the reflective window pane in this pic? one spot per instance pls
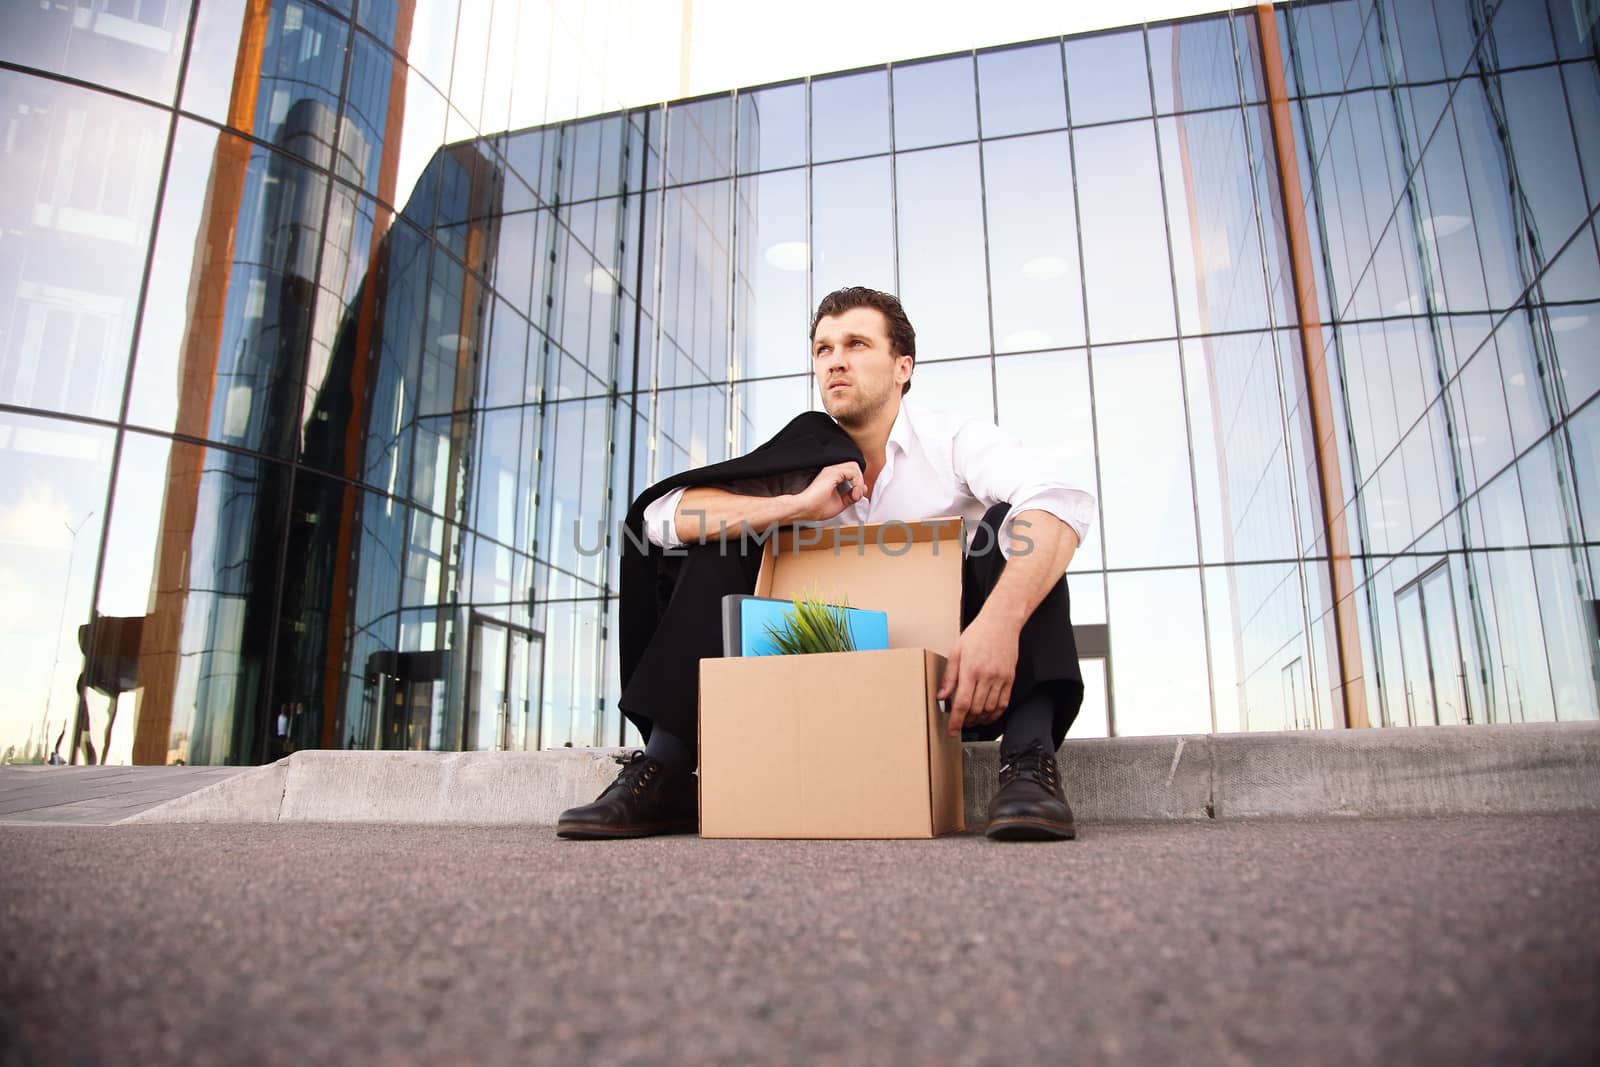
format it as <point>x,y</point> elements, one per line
<point>1259,665</point>
<point>82,171</point>
<point>572,481</point>
<point>1021,90</point>
<point>222,355</point>
<point>521,250</point>
<point>1213,221</point>
<point>694,293</point>
<point>291,99</point>
<point>466,77</point>
<point>1519,370</point>
<point>1418,40</point>
<point>963,386</point>
<point>200,532</point>
<point>1033,243</point>
<point>393,119</point>
<point>1124,240</point>
<point>1107,78</point>
<point>1158,656</point>
<point>1584,434</point>
<point>1575,27</point>
<point>1575,332</point>
<point>762,408</point>
<point>1241,475</point>
<point>1448,229</point>
<point>427,28</point>
<point>504,377</point>
<point>942,279</point>
<point>849,116</point>
<point>1192,65</point>
<point>1043,400</point>
<point>52,508</point>
<point>1147,505</point>
<point>1539,127</point>
<point>770,316</point>
<point>571,672</point>
<point>772,128</point>
<point>1487,181</point>
<point>934,103</point>
<point>699,140</point>
<point>132,47</point>
<point>852,226</point>
<point>1520,35</point>
<point>501,453</point>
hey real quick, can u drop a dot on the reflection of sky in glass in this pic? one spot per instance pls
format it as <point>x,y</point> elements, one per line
<point>934,103</point>
<point>982,241</point>
<point>852,226</point>
<point>772,128</point>
<point>52,503</point>
<point>1021,90</point>
<point>1106,78</point>
<point>1158,666</point>
<point>941,250</point>
<point>1124,242</point>
<point>849,116</point>
<point>1034,281</point>
<point>1146,506</point>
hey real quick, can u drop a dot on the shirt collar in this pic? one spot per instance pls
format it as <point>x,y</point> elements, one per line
<point>900,433</point>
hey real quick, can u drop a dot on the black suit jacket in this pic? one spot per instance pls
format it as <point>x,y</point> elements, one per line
<point>810,442</point>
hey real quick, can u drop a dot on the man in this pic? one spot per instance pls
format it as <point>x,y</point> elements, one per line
<point>1012,673</point>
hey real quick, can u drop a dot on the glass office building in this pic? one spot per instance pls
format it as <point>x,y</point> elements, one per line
<point>321,397</point>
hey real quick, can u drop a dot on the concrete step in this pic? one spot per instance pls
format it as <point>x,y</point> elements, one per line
<point>1532,768</point>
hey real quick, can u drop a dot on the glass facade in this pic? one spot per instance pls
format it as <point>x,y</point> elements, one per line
<point>321,398</point>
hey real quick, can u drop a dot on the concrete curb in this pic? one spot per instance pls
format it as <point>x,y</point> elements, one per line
<point>1527,769</point>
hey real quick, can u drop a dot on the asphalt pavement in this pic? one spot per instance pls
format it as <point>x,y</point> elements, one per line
<point>1462,939</point>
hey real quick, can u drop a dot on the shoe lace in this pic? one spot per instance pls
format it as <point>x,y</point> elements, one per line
<point>637,771</point>
<point>1035,762</point>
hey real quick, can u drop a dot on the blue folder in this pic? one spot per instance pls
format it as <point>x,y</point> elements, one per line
<point>745,620</point>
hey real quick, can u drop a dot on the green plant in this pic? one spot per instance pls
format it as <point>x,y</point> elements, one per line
<point>813,625</point>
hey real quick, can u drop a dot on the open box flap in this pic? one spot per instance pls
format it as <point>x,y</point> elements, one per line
<point>912,570</point>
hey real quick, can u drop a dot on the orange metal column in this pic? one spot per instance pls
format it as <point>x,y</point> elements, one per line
<point>1319,397</point>
<point>161,648</point>
<point>342,590</point>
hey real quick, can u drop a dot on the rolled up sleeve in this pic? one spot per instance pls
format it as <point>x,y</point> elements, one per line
<point>995,466</point>
<point>661,516</point>
<point>660,520</point>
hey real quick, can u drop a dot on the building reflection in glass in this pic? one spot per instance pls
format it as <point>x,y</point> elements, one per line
<point>325,449</point>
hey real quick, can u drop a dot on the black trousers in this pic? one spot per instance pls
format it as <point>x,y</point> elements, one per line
<point>665,687</point>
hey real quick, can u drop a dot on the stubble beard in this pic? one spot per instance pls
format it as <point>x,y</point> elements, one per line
<point>860,412</point>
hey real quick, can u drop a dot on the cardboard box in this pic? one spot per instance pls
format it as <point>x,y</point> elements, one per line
<point>849,744</point>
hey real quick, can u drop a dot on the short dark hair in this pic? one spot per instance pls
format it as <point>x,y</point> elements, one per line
<point>902,338</point>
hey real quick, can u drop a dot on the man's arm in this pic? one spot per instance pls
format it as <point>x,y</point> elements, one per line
<point>707,513</point>
<point>983,663</point>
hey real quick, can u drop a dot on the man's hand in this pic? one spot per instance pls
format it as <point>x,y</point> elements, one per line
<point>826,496</point>
<point>979,672</point>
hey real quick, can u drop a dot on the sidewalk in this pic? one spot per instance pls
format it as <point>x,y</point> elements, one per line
<point>1464,939</point>
<point>1526,769</point>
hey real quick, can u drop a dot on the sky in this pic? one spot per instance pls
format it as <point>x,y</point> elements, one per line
<point>626,53</point>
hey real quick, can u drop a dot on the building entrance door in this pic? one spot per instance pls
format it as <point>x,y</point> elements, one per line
<point>503,678</point>
<point>402,702</point>
<point>1430,651</point>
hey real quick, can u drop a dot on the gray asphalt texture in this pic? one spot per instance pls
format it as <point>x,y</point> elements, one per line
<point>1457,940</point>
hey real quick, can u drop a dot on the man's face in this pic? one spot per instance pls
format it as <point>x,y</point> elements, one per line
<point>857,370</point>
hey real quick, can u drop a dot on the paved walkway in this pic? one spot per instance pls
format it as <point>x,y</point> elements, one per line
<point>96,796</point>
<point>1462,939</point>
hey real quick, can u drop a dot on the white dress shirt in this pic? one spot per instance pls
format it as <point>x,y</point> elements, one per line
<point>936,464</point>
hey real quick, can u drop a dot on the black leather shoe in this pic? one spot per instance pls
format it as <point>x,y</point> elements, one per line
<point>646,799</point>
<point>1030,805</point>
